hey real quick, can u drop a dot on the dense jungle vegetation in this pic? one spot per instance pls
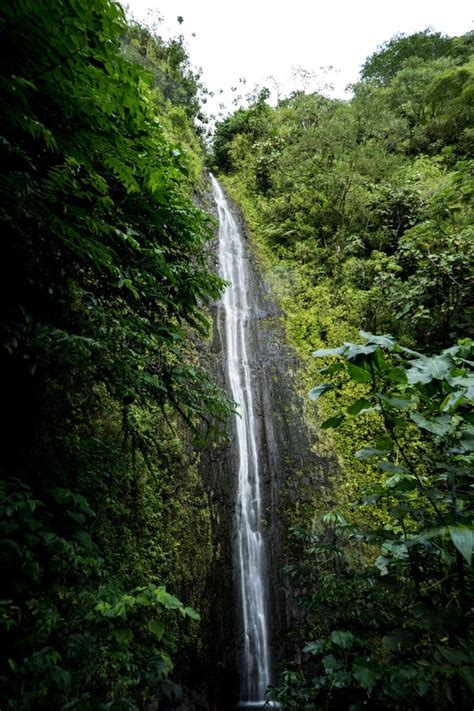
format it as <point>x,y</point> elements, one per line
<point>104,522</point>
<point>361,211</point>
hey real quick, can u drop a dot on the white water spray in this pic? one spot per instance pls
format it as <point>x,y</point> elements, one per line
<point>250,550</point>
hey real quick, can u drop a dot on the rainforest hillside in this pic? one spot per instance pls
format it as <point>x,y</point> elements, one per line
<point>361,211</point>
<point>115,572</point>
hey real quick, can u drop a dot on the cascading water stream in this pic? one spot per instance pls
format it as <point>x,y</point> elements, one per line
<point>250,549</point>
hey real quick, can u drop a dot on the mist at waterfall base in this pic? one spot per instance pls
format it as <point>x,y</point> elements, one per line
<point>249,553</point>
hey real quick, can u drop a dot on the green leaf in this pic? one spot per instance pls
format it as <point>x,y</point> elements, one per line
<point>456,657</point>
<point>424,370</point>
<point>467,439</point>
<point>156,627</point>
<point>380,361</point>
<point>170,602</point>
<point>355,350</point>
<point>400,482</point>
<point>123,636</point>
<point>333,422</point>
<point>343,639</point>
<point>359,406</point>
<point>467,673</point>
<point>364,673</point>
<point>334,518</point>
<point>359,374</point>
<point>453,400</point>
<point>385,443</point>
<point>331,664</point>
<point>190,612</point>
<point>463,539</point>
<point>439,426</point>
<point>333,368</point>
<point>395,641</point>
<point>323,352</point>
<point>382,564</point>
<point>423,687</point>
<point>315,647</point>
<point>386,341</point>
<point>397,375</point>
<point>391,467</point>
<point>466,383</point>
<point>316,392</point>
<point>395,402</point>
<point>369,452</point>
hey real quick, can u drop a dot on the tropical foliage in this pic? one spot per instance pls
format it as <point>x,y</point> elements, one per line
<point>361,212</point>
<point>103,281</point>
<point>401,626</point>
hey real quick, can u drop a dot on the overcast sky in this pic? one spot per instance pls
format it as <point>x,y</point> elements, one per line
<point>258,39</point>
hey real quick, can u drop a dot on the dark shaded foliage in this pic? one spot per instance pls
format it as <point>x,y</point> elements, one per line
<point>103,280</point>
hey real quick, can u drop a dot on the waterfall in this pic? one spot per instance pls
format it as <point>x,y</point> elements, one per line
<point>249,552</point>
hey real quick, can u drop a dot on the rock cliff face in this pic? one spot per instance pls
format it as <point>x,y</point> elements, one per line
<point>285,459</point>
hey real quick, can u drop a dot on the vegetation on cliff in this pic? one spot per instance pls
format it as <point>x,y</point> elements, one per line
<point>361,212</point>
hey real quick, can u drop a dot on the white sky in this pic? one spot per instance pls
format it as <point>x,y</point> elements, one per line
<point>256,39</point>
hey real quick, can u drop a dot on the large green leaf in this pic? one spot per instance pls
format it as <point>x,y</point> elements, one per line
<point>323,352</point>
<point>424,369</point>
<point>397,403</point>
<point>439,426</point>
<point>386,341</point>
<point>398,375</point>
<point>333,422</point>
<point>343,639</point>
<point>354,351</point>
<point>364,672</point>
<point>466,385</point>
<point>156,627</point>
<point>466,439</point>
<point>190,612</point>
<point>359,374</point>
<point>391,467</point>
<point>331,369</point>
<point>359,406</point>
<point>332,664</point>
<point>167,600</point>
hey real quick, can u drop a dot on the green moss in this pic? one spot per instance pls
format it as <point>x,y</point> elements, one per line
<point>317,315</point>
